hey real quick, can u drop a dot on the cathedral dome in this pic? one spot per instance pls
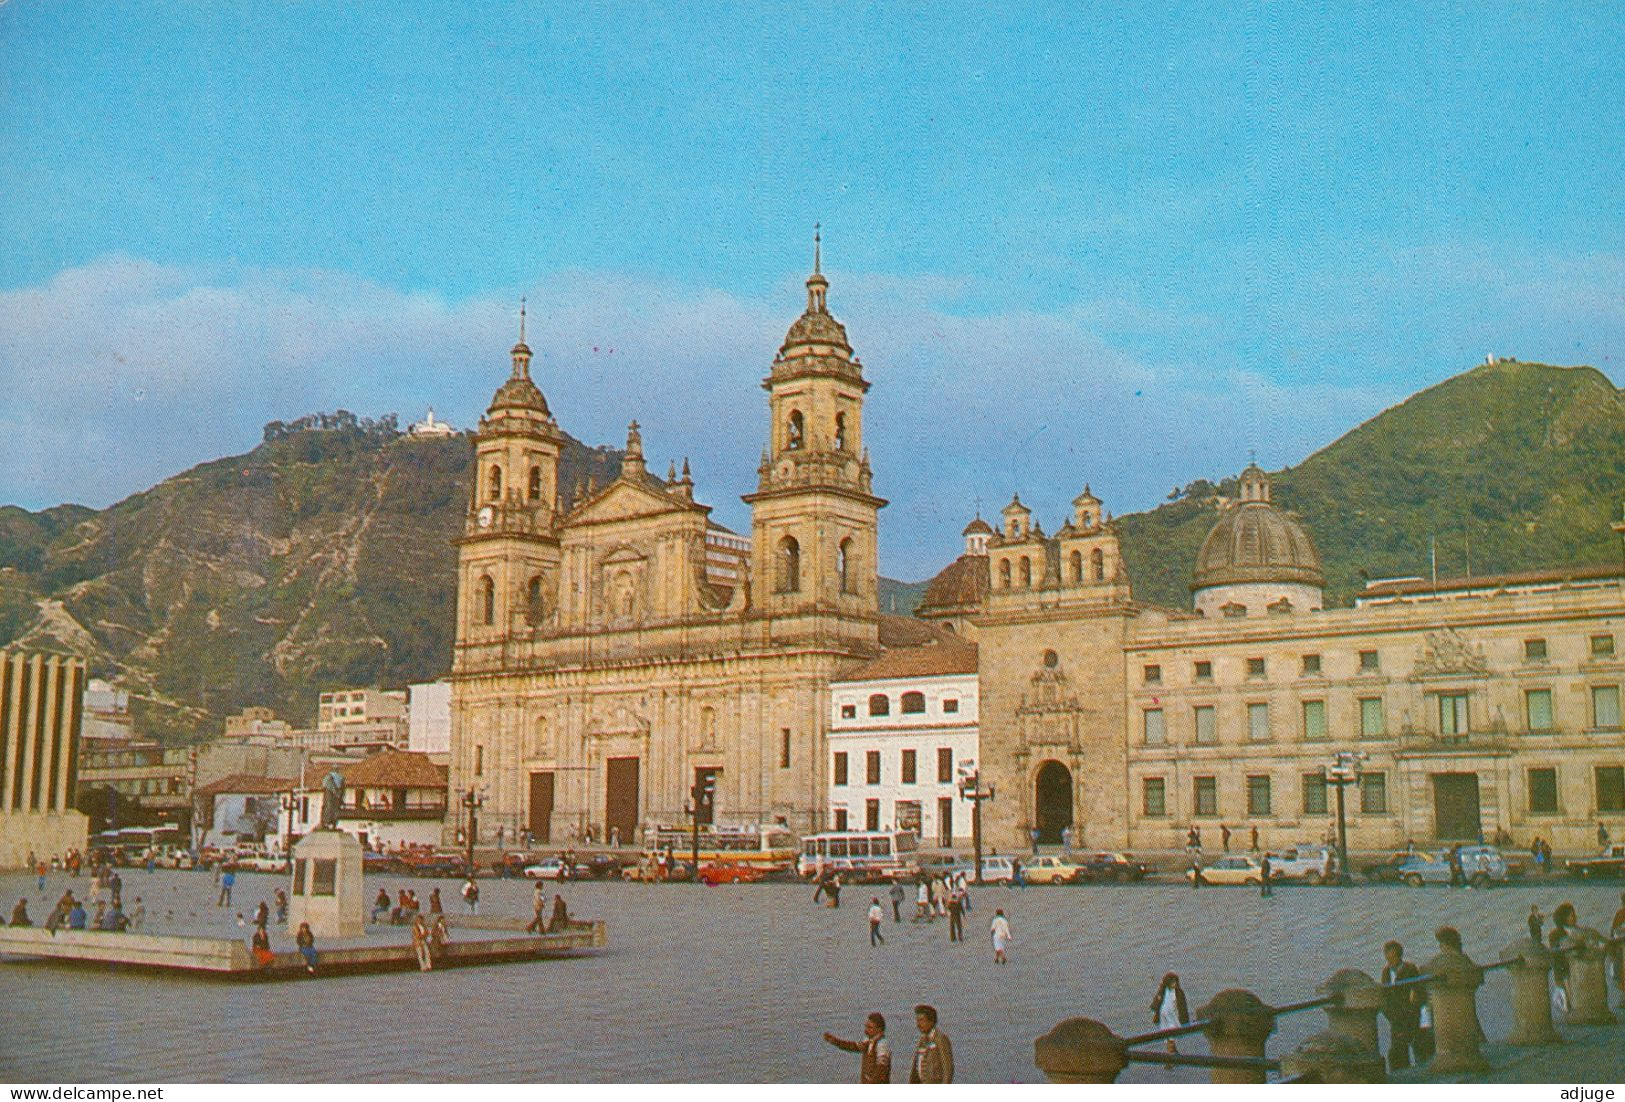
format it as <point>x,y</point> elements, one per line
<point>978,527</point>
<point>519,393</point>
<point>1254,547</point>
<point>816,325</point>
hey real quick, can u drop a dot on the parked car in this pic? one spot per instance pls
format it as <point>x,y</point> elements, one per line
<point>554,868</point>
<point>1610,862</point>
<point>264,862</point>
<point>1236,868</point>
<point>1386,870</point>
<point>172,858</point>
<point>435,864</point>
<point>1311,863</point>
<point>1048,869</point>
<point>731,872</point>
<point>1481,865</point>
<point>995,870</point>
<point>1112,867</point>
<point>375,863</point>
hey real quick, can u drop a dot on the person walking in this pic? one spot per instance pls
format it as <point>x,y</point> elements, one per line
<point>138,914</point>
<point>922,901</point>
<point>1536,921</point>
<point>1169,1008</point>
<point>281,898</point>
<point>538,911</point>
<point>306,943</point>
<point>1000,929</point>
<point>833,890</point>
<point>897,895</point>
<point>1196,872</point>
<point>1252,842</point>
<point>434,901</point>
<point>1266,873</point>
<point>875,1066</point>
<point>420,943</point>
<point>933,1052</point>
<point>1458,878</point>
<point>876,917</point>
<point>1018,876</point>
<point>471,896</point>
<point>1402,1006</point>
<point>227,880</point>
<point>1224,836</point>
<point>956,915</point>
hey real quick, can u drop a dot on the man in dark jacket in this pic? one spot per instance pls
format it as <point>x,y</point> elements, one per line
<point>876,1050</point>
<point>1402,1006</point>
<point>933,1054</point>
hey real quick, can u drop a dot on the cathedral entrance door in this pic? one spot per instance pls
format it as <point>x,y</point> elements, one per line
<point>621,797</point>
<point>1053,801</point>
<point>541,806</point>
<point>1455,807</point>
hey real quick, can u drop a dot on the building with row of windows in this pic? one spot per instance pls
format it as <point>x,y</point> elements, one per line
<point>1474,706</point>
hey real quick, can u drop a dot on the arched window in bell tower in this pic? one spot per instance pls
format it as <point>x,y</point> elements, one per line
<point>1076,563</point>
<point>1004,573</point>
<point>488,600</point>
<point>795,432</point>
<point>840,432</point>
<point>534,492</point>
<point>535,608</point>
<point>1026,572</point>
<point>789,565</point>
<point>845,568</point>
<point>494,483</point>
<point>1097,564</point>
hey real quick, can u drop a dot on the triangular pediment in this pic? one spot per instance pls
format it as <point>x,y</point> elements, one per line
<point>625,499</point>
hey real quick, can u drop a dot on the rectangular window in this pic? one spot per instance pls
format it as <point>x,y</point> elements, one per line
<point>1610,788</point>
<point>945,765</point>
<point>1255,667</point>
<point>1543,791</point>
<point>849,711</point>
<point>1311,665</point>
<point>871,768</point>
<point>1373,793</point>
<point>1605,707</point>
<point>1534,650</point>
<point>908,815</point>
<point>840,818</point>
<point>1153,675</point>
<point>1258,795</point>
<point>1537,709</point>
<point>1368,662</point>
<point>1258,722</point>
<point>784,747</point>
<point>1602,646</point>
<point>1206,723</point>
<point>1314,720</point>
<point>1156,728</point>
<point>1204,671</point>
<point>945,821</point>
<point>1154,797</point>
<point>1314,793</point>
<point>871,814</point>
<point>908,766</point>
<point>1206,796</point>
<point>840,767</point>
<point>1372,722</point>
<point>950,705</point>
<point>479,762</point>
<point>1452,715</point>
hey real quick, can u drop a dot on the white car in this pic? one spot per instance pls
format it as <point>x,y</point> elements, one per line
<point>553,868</point>
<point>1311,863</point>
<point>1239,868</point>
<point>995,870</point>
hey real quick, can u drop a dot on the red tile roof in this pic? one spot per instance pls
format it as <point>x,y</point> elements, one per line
<point>395,769</point>
<point>943,654</point>
<point>963,583</point>
<point>247,784</point>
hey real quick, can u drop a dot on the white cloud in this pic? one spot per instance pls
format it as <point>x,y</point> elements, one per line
<point>122,372</point>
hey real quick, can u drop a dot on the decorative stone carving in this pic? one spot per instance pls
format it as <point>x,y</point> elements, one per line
<point>1447,651</point>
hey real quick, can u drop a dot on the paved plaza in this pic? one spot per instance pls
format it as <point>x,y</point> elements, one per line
<point>731,984</point>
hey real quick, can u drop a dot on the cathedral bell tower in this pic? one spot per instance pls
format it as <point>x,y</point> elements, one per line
<point>813,515</point>
<point>508,555</point>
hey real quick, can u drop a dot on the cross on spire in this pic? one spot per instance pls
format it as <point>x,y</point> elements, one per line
<point>521,319</point>
<point>818,248</point>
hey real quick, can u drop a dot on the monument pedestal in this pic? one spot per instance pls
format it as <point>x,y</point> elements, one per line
<point>327,891</point>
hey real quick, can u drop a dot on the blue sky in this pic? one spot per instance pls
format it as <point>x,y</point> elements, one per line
<point>1116,244</point>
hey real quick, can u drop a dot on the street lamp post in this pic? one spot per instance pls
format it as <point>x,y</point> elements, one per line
<point>970,788</point>
<point>471,802</point>
<point>1342,772</point>
<point>290,804</point>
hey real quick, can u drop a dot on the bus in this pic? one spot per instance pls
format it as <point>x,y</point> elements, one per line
<point>860,854</point>
<point>131,845</point>
<point>760,845</point>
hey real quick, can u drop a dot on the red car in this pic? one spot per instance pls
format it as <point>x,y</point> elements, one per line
<point>722,873</point>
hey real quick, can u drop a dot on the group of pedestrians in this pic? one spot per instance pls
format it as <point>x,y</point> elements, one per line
<point>540,923</point>
<point>953,901</point>
<point>406,908</point>
<point>933,1060</point>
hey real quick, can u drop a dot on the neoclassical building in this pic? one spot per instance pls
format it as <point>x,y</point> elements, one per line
<point>614,651</point>
<point>1477,705</point>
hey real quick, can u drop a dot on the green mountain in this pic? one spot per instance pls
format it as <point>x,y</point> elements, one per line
<point>1509,466</point>
<point>323,557</point>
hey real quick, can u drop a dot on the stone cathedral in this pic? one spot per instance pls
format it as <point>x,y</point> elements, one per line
<point>614,650</point>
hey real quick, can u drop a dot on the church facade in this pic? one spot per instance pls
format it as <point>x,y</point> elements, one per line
<point>618,652</point>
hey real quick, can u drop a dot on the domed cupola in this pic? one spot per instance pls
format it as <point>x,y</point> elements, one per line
<point>1257,560</point>
<point>816,341</point>
<point>519,392</point>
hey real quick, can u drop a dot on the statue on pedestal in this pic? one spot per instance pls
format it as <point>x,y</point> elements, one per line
<point>332,799</point>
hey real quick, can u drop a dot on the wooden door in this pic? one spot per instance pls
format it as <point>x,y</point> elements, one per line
<point>621,797</point>
<point>1455,807</point>
<point>541,806</point>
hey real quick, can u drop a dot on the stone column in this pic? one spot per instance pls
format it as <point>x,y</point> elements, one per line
<point>1239,1023</point>
<point>1531,970</point>
<point>1452,997</point>
<point>1354,1014</point>
<point>1080,1050</point>
<point>1333,1057</point>
<point>1588,977</point>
